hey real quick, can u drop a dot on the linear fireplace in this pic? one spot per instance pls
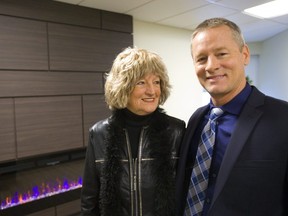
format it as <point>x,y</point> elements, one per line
<point>33,184</point>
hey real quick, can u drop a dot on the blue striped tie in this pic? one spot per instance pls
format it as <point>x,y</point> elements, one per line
<point>200,172</point>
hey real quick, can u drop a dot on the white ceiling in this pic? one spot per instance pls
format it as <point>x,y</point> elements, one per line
<point>187,14</point>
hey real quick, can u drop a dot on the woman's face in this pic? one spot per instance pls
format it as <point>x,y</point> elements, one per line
<point>144,98</point>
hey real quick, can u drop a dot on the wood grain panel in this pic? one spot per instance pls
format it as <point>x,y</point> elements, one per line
<point>81,49</point>
<point>24,83</point>
<point>52,11</point>
<point>23,44</point>
<point>45,212</point>
<point>52,59</point>
<point>48,124</point>
<point>68,209</point>
<point>117,22</point>
<point>7,132</point>
<point>94,110</point>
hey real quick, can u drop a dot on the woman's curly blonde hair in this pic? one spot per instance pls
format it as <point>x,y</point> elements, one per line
<point>131,65</point>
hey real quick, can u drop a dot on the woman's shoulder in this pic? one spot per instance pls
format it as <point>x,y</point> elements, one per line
<point>100,125</point>
<point>173,121</point>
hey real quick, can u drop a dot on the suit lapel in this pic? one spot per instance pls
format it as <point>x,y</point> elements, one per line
<point>245,124</point>
<point>192,126</point>
<point>186,159</point>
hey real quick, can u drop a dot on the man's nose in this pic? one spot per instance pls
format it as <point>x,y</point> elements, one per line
<point>212,63</point>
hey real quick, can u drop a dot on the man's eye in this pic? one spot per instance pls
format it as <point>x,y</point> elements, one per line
<point>222,54</point>
<point>200,60</point>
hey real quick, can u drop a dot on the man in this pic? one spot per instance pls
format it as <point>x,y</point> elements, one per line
<point>246,172</point>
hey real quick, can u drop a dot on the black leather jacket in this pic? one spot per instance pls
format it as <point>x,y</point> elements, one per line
<point>116,185</point>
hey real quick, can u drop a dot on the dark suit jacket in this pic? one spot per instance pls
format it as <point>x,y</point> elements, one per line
<point>253,178</point>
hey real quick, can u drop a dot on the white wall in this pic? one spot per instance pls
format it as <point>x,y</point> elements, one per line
<point>268,70</point>
<point>273,66</point>
<point>252,69</point>
<point>173,45</point>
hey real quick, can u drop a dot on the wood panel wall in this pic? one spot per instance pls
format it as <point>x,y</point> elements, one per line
<point>52,60</point>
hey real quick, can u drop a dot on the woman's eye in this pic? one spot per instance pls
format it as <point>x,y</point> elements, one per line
<point>140,83</point>
<point>157,82</point>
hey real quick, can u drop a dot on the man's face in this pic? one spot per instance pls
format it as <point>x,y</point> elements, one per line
<point>219,63</point>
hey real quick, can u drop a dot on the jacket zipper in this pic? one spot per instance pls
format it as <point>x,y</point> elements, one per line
<point>139,171</point>
<point>132,170</point>
<point>134,166</point>
<point>135,185</point>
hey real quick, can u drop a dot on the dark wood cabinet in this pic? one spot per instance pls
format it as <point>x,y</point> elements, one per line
<point>7,129</point>
<point>53,57</point>
<point>23,44</point>
<point>74,48</point>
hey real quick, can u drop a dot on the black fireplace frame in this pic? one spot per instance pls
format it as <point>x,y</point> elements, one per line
<point>42,161</point>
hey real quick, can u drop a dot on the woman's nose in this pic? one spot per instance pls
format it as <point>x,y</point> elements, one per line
<point>150,88</point>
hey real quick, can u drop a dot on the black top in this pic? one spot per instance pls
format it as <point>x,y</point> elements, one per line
<point>134,124</point>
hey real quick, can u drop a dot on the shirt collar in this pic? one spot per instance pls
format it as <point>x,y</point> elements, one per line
<point>235,105</point>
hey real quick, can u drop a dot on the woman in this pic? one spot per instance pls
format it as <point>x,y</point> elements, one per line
<point>131,156</point>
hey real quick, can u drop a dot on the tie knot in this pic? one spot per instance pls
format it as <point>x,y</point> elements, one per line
<point>215,113</point>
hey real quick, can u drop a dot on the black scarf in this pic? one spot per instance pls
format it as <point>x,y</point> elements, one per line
<point>162,170</point>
